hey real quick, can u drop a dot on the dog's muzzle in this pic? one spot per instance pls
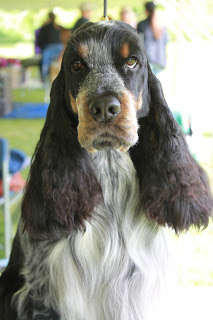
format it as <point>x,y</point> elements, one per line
<point>106,112</point>
<point>105,109</point>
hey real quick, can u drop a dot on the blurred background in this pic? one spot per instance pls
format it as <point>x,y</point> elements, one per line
<point>186,79</point>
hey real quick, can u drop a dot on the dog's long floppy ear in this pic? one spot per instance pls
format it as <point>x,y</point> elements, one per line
<point>62,189</point>
<point>175,189</point>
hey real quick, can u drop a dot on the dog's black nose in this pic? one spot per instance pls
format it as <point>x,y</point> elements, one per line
<point>104,109</point>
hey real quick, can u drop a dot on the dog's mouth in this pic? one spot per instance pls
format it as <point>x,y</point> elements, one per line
<point>106,141</point>
<point>99,132</point>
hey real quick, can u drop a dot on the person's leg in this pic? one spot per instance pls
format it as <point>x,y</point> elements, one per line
<point>50,53</point>
<point>56,50</point>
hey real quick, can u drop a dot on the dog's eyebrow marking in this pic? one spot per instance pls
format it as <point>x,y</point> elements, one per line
<point>124,50</point>
<point>83,50</point>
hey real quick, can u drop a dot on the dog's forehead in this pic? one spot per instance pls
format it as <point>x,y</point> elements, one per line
<point>95,52</point>
<point>96,43</point>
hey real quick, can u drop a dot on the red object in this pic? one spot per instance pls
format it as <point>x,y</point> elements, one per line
<point>3,62</point>
<point>17,183</point>
<point>8,62</point>
<point>13,61</point>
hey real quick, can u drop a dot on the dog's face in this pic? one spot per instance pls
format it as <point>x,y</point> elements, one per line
<point>103,66</point>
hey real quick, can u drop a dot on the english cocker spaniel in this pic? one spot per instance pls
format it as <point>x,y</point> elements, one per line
<point>110,171</point>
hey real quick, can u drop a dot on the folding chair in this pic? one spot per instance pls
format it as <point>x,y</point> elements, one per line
<point>8,198</point>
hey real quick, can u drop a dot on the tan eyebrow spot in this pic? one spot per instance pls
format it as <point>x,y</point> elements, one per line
<point>124,51</point>
<point>83,50</point>
<point>73,103</point>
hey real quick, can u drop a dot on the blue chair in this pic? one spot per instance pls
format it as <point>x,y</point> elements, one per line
<point>9,198</point>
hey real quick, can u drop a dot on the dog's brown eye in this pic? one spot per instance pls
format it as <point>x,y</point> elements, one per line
<point>77,65</point>
<point>131,63</point>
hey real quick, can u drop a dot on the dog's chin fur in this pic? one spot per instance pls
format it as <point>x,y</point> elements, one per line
<point>116,270</point>
<point>106,141</point>
<point>108,136</point>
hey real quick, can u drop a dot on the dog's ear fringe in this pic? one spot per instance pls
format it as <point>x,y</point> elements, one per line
<point>175,189</point>
<point>61,190</point>
<point>11,279</point>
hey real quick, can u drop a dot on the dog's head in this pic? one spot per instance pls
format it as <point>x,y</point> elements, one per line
<point>106,97</point>
<point>105,68</point>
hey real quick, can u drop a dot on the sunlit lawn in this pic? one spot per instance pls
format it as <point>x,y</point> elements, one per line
<point>193,251</point>
<point>24,95</point>
<point>21,133</point>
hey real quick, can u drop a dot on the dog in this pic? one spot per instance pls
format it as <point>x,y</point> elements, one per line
<point>110,173</point>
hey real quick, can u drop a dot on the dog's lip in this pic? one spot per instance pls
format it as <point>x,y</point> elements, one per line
<point>107,141</point>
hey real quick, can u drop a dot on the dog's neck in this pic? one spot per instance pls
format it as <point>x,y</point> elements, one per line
<point>117,177</point>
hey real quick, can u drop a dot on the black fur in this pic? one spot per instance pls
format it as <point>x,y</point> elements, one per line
<point>11,281</point>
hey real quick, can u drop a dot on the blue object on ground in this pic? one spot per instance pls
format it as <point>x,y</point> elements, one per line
<point>28,111</point>
<point>18,161</point>
<point>3,263</point>
<point>17,158</point>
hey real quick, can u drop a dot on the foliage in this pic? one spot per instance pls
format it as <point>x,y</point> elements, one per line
<point>189,18</point>
<point>10,38</point>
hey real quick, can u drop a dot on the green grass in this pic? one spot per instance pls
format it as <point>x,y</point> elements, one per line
<point>24,95</point>
<point>21,133</point>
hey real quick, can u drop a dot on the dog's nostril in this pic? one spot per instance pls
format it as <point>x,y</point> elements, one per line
<point>114,109</point>
<point>96,110</point>
<point>104,109</point>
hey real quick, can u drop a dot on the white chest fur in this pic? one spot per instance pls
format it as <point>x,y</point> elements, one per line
<point>116,270</point>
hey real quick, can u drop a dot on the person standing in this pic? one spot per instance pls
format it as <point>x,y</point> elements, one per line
<point>154,38</point>
<point>127,15</point>
<point>49,40</point>
<point>86,13</point>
